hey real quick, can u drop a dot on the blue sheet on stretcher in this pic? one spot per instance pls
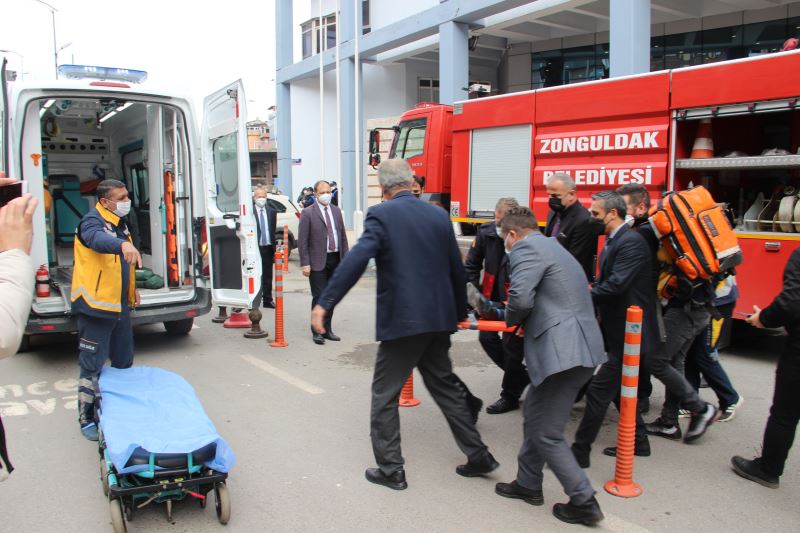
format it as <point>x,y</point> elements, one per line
<point>157,410</point>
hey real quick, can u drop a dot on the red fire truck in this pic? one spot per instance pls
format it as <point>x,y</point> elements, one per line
<point>637,129</point>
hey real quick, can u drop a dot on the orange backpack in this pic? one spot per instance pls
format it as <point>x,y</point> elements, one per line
<point>696,233</point>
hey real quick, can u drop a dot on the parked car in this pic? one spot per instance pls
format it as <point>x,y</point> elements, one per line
<point>288,215</point>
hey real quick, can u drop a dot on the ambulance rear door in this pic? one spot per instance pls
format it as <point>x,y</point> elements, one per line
<point>234,260</point>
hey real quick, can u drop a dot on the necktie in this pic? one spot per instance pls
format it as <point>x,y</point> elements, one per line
<point>264,227</point>
<point>556,226</point>
<point>331,240</point>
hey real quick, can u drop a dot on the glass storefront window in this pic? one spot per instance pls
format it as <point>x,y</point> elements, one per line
<point>547,67</point>
<point>572,65</point>
<point>683,49</point>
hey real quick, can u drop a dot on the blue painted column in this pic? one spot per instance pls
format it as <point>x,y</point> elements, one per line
<point>347,117</point>
<point>453,62</point>
<point>629,46</point>
<point>283,46</point>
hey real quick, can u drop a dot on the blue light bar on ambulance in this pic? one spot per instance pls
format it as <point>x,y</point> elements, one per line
<point>80,72</point>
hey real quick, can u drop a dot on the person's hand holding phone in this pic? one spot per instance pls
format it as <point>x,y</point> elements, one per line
<point>755,319</point>
<point>16,224</point>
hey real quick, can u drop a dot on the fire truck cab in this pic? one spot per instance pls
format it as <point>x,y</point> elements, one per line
<point>190,216</point>
<point>636,129</point>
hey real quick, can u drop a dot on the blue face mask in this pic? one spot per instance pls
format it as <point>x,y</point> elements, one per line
<point>497,230</point>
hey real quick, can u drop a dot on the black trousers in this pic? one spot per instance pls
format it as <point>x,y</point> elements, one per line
<point>603,389</point>
<point>667,364</point>
<point>507,353</point>
<point>429,353</point>
<point>784,413</point>
<point>267,261</point>
<point>318,280</point>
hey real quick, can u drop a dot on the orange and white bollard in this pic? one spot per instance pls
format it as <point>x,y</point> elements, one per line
<point>623,485</point>
<point>280,341</point>
<point>407,393</point>
<point>286,248</point>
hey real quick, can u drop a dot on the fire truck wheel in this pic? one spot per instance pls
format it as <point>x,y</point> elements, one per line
<point>179,327</point>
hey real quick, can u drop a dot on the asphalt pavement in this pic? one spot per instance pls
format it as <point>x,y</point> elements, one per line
<point>298,421</point>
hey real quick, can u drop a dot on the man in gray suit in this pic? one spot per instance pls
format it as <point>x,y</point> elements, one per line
<point>549,298</point>
<point>322,243</point>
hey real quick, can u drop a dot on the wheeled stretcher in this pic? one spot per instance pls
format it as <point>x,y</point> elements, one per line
<point>157,444</point>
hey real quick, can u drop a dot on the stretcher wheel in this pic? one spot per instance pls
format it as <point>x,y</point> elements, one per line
<point>117,517</point>
<point>223,503</point>
<point>104,475</point>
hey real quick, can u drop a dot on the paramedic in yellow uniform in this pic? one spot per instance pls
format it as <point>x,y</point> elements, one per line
<point>103,289</point>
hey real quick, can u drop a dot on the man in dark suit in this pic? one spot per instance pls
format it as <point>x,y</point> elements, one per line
<point>266,221</point>
<point>570,223</point>
<point>322,244</point>
<point>625,270</point>
<point>548,297</point>
<point>488,255</point>
<point>421,297</point>
<point>785,411</point>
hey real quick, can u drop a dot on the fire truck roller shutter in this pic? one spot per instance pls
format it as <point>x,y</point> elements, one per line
<point>500,166</point>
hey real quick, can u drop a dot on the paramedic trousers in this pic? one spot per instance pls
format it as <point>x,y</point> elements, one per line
<point>507,352</point>
<point>429,353</point>
<point>703,358</point>
<point>98,340</point>
<point>682,325</point>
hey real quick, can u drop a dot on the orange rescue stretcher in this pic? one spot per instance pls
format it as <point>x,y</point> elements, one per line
<point>486,325</point>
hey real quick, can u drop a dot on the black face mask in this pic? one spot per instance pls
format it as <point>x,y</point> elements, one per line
<point>555,204</point>
<point>599,226</point>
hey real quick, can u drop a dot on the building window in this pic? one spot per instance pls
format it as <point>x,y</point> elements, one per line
<point>365,25</point>
<point>428,90</point>
<point>313,38</point>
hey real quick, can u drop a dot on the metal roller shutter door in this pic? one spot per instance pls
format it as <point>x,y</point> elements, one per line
<point>500,166</point>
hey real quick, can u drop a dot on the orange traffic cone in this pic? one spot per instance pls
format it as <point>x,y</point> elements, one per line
<point>407,394</point>
<point>238,319</point>
<point>703,144</point>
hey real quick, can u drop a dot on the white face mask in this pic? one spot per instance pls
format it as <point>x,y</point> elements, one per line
<point>629,220</point>
<point>324,199</point>
<point>497,230</point>
<point>123,208</point>
<point>261,202</point>
<point>505,243</point>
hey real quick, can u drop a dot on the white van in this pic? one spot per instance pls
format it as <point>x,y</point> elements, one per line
<point>62,137</point>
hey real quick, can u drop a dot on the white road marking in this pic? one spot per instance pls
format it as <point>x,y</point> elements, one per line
<point>280,374</point>
<point>195,326</point>
<point>619,525</point>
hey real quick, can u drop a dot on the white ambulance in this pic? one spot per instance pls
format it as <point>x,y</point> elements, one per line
<point>191,215</point>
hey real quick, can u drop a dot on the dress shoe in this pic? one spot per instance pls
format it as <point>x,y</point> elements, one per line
<point>641,449</point>
<point>587,514</point>
<point>475,404</point>
<point>331,336</point>
<point>700,423</point>
<point>581,456</point>
<point>503,405</point>
<point>515,490</point>
<point>269,304</point>
<point>396,481</point>
<point>753,471</point>
<point>319,339</point>
<point>478,468</point>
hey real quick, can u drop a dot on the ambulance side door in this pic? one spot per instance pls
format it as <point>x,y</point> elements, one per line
<point>234,259</point>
